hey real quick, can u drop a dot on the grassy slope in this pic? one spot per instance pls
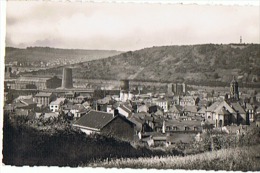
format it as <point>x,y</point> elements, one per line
<point>243,159</point>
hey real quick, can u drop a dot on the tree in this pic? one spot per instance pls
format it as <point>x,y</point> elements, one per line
<point>216,76</point>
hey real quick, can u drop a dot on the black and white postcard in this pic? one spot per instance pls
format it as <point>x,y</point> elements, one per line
<point>135,85</point>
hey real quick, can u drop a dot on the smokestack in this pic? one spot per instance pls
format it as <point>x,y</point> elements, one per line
<point>67,78</point>
<point>124,85</point>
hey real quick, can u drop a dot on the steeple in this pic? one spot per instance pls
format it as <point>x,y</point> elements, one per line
<point>234,94</point>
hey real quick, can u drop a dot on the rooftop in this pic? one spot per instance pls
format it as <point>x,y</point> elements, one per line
<point>43,94</point>
<point>95,119</point>
<point>57,101</point>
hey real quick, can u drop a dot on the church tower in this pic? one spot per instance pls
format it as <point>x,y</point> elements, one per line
<point>234,94</point>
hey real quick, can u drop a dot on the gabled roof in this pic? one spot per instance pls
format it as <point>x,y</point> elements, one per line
<point>57,101</point>
<point>105,100</point>
<point>222,111</point>
<point>138,122</point>
<point>202,110</point>
<point>249,106</point>
<point>125,108</point>
<point>237,107</point>
<point>23,97</point>
<point>159,113</point>
<point>141,115</point>
<point>94,119</point>
<point>122,118</point>
<point>142,108</point>
<point>175,109</point>
<point>212,107</point>
<point>192,109</point>
<point>225,105</point>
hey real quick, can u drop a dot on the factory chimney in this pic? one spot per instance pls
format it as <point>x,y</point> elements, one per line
<point>67,78</point>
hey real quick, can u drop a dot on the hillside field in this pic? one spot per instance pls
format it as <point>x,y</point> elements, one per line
<point>233,159</point>
<point>191,63</point>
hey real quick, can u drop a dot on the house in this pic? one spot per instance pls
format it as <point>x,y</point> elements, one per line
<point>124,110</point>
<point>107,124</point>
<point>202,112</point>
<point>143,108</point>
<point>187,101</point>
<point>257,97</point>
<point>80,99</point>
<point>175,111</point>
<point>190,110</point>
<point>154,108</point>
<point>227,113</point>
<point>242,116</point>
<point>93,121</point>
<point>86,105</point>
<point>176,100</point>
<point>56,105</point>
<point>24,104</point>
<point>250,110</point>
<point>44,98</point>
<point>163,103</point>
<point>120,127</point>
<point>77,110</point>
<point>183,126</point>
<point>210,110</point>
<point>69,96</point>
<point>257,121</point>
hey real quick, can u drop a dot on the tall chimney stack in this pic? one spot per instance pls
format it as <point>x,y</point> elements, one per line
<point>67,78</point>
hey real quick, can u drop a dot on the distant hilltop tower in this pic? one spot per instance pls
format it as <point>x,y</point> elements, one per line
<point>241,40</point>
<point>67,78</point>
<point>234,93</point>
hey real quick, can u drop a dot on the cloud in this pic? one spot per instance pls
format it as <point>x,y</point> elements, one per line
<point>127,26</point>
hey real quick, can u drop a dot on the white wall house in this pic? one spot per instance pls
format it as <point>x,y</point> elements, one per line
<point>164,104</point>
<point>55,105</point>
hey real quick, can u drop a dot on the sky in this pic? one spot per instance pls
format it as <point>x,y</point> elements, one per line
<point>127,26</point>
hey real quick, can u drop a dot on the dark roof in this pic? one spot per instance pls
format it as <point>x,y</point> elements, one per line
<point>125,108</point>
<point>236,106</point>
<point>137,122</point>
<point>223,111</point>
<point>94,119</point>
<point>122,118</point>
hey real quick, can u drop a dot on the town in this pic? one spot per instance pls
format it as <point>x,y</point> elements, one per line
<point>153,114</point>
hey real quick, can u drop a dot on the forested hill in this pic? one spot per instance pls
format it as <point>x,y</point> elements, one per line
<point>208,62</point>
<point>54,55</point>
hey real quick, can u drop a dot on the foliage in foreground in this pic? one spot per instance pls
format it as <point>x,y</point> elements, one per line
<point>25,145</point>
<point>243,159</point>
